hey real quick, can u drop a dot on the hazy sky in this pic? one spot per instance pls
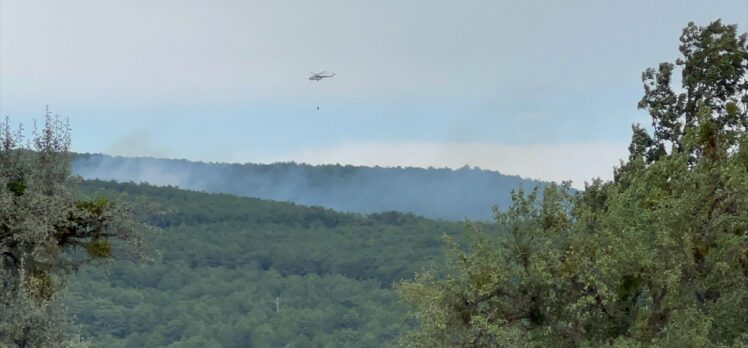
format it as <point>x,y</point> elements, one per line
<point>544,89</point>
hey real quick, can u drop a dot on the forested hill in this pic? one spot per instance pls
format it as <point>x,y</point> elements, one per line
<point>434,193</point>
<point>220,262</point>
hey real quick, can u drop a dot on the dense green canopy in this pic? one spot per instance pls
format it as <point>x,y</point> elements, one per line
<point>221,261</point>
<point>657,257</point>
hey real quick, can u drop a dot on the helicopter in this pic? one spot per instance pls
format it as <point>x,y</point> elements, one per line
<point>320,76</point>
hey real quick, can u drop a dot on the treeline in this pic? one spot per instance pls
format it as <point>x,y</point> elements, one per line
<point>434,193</point>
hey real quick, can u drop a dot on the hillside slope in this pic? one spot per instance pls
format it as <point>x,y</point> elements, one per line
<point>433,193</point>
<point>221,262</point>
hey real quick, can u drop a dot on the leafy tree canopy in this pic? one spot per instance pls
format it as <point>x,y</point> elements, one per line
<point>45,231</point>
<point>658,256</point>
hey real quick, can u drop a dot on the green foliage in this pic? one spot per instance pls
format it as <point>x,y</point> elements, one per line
<point>99,249</point>
<point>17,187</point>
<point>41,227</point>
<point>96,206</point>
<point>221,261</point>
<point>713,90</point>
<point>657,257</point>
<point>40,285</point>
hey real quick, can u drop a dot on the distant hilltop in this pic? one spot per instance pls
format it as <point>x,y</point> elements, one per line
<point>465,193</point>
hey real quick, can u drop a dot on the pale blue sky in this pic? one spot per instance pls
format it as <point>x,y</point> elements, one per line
<point>227,80</point>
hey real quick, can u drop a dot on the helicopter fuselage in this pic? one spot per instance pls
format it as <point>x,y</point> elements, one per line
<point>320,76</point>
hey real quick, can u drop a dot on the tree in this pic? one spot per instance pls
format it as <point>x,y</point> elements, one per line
<point>46,231</point>
<point>658,256</point>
